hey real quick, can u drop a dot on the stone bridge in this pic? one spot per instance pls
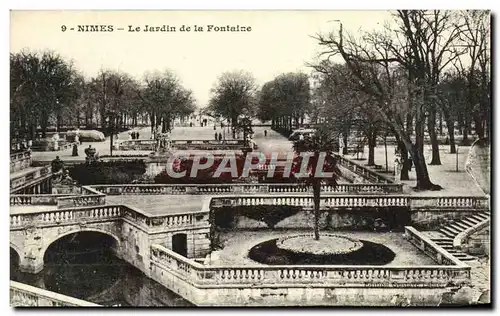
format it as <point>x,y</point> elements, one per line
<point>133,231</point>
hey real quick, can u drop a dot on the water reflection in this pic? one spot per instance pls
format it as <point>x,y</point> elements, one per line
<point>98,276</point>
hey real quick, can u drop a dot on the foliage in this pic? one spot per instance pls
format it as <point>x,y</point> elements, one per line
<point>271,215</point>
<point>113,172</point>
<point>234,94</point>
<point>285,100</point>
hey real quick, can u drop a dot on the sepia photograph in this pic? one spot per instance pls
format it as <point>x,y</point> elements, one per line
<point>253,158</point>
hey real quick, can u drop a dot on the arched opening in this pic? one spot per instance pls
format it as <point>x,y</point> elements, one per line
<point>82,264</point>
<point>15,259</point>
<point>179,244</point>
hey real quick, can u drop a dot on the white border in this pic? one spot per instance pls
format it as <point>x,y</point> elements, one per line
<point>191,4</point>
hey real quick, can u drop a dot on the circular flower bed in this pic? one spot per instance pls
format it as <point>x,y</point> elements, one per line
<point>328,244</point>
<point>331,250</point>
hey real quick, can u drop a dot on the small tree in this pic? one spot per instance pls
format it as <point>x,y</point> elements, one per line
<point>321,145</point>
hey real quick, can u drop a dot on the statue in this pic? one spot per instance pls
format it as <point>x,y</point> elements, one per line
<point>397,166</point>
<point>55,140</point>
<point>91,155</point>
<point>341,144</point>
<point>57,165</point>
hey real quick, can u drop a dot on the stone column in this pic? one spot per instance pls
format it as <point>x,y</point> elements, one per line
<point>31,262</point>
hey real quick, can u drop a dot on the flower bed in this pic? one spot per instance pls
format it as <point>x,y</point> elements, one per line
<point>328,244</point>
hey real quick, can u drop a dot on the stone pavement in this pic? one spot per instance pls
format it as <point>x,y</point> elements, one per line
<point>159,204</point>
<point>454,183</point>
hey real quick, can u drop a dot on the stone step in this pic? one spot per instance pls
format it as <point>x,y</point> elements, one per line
<point>457,227</point>
<point>447,247</point>
<point>473,219</point>
<point>462,225</point>
<point>445,242</point>
<point>468,222</point>
<point>483,215</point>
<point>450,230</point>
<point>478,218</point>
<point>447,233</point>
<point>463,256</point>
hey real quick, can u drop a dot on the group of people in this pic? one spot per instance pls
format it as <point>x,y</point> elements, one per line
<point>134,134</point>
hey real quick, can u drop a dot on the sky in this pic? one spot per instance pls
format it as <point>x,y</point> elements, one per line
<point>279,41</point>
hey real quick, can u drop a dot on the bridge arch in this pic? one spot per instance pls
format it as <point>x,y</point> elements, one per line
<point>47,244</point>
<point>16,254</point>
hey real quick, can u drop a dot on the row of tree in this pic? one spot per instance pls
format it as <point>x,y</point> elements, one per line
<point>396,82</point>
<point>424,63</point>
<point>47,90</point>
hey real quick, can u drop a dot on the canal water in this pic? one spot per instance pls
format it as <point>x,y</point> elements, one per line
<point>98,276</point>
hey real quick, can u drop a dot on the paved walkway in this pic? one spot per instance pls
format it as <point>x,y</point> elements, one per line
<point>159,204</point>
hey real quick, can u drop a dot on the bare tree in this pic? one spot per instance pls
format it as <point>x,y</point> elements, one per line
<point>381,70</point>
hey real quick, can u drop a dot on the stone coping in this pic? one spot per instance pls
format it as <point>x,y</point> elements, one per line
<point>60,299</point>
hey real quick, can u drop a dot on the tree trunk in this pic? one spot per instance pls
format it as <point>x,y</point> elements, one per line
<point>423,180</point>
<point>316,196</point>
<point>372,143</point>
<point>465,135</point>
<point>431,123</point>
<point>479,126</point>
<point>451,135</point>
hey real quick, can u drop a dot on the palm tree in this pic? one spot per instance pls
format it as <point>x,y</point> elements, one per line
<point>321,145</point>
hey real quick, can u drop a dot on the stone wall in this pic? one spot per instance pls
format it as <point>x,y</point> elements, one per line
<point>433,219</point>
<point>478,244</point>
<point>357,219</point>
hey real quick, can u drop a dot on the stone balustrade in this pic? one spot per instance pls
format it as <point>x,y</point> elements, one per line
<point>306,201</point>
<point>20,161</point>
<point>207,144</point>
<point>35,199</point>
<point>363,171</point>
<point>23,295</point>
<point>87,197</point>
<point>449,202</point>
<point>99,213</point>
<point>27,178</point>
<point>215,189</point>
<point>65,216</point>
<point>137,144</point>
<point>354,201</point>
<point>164,261</point>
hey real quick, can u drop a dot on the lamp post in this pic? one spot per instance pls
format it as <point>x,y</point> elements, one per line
<point>340,31</point>
<point>111,119</point>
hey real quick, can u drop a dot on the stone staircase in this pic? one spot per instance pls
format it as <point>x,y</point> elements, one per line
<point>445,235</point>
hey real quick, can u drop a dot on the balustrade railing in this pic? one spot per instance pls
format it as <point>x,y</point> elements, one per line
<point>66,216</point>
<point>20,161</point>
<point>35,199</point>
<point>23,295</point>
<point>24,179</point>
<point>159,189</point>
<point>109,212</point>
<point>363,171</point>
<point>308,275</point>
<point>306,201</point>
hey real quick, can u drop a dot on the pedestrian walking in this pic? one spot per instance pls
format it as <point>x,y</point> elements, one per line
<point>220,136</point>
<point>265,133</point>
<point>216,136</point>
